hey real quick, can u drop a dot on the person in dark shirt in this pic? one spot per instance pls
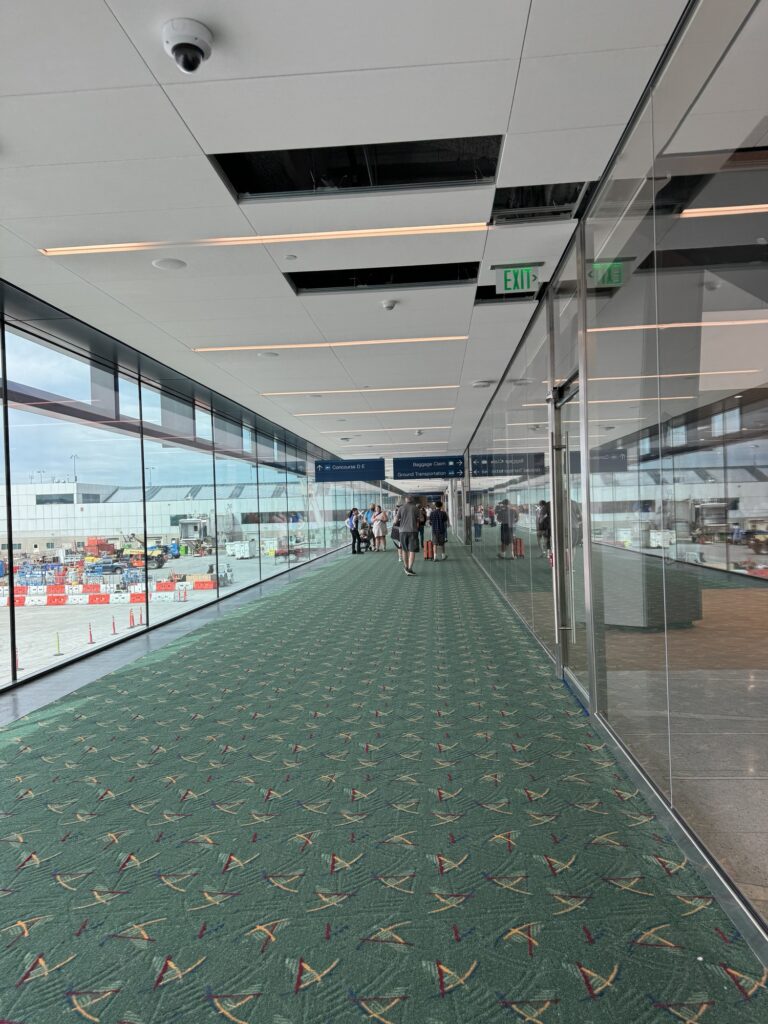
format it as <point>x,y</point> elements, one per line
<point>438,520</point>
<point>506,516</point>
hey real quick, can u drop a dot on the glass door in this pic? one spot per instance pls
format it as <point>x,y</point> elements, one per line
<point>569,535</point>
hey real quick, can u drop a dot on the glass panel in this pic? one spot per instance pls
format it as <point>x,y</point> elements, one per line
<point>237,505</point>
<point>298,514</point>
<point>273,508</point>
<point>625,406</point>
<point>712,503</point>
<point>565,322</point>
<point>181,555</point>
<point>76,501</point>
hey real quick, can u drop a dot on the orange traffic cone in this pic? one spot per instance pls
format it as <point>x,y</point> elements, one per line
<point>90,634</point>
<point>131,620</point>
<point>114,627</point>
<point>141,615</point>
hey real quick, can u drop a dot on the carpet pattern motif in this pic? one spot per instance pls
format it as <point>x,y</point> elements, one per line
<point>363,798</point>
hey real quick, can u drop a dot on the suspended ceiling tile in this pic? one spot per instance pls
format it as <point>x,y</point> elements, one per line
<point>420,312</point>
<point>77,45</point>
<point>86,127</point>
<point>380,252</point>
<point>278,323</point>
<point>338,211</point>
<point>151,225</point>
<point>562,26</point>
<point>202,262</point>
<point>577,90</point>
<point>110,187</point>
<point>572,154</point>
<point>256,40</point>
<point>386,105</point>
<point>526,243</point>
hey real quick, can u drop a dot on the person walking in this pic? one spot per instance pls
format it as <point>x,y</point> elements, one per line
<point>352,525</point>
<point>478,523</point>
<point>369,514</point>
<point>543,528</point>
<point>395,533</point>
<point>407,522</point>
<point>439,522</point>
<point>423,516</point>
<point>380,519</point>
<point>506,517</point>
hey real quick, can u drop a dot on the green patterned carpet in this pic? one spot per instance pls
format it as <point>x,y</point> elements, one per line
<point>363,798</point>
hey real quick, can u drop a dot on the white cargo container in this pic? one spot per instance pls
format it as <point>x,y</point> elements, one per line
<point>242,549</point>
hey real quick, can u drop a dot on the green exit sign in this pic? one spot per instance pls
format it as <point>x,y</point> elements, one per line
<point>517,280</point>
<point>606,275</point>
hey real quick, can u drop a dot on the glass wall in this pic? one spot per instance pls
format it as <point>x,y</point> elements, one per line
<point>135,494</point>
<point>654,335</point>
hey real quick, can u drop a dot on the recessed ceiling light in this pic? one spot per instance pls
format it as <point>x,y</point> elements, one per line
<point>387,430</point>
<point>482,383</point>
<point>169,263</point>
<point>264,354</point>
<point>520,381</point>
<point>311,236</point>
<point>678,326</point>
<point>330,344</point>
<point>290,256</point>
<point>315,395</point>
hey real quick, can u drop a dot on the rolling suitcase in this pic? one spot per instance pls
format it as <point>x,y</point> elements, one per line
<point>429,550</point>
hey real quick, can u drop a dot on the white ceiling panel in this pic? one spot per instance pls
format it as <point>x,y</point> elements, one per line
<point>256,40</point>
<point>302,368</point>
<point>338,211</point>
<point>386,105</point>
<point>60,47</point>
<point>420,363</point>
<point>202,262</point>
<point>576,90</point>
<point>380,252</point>
<point>495,334</point>
<point>278,323</point>
<point>174,183</point>
<point>572,154</point>
<point>562,26</point>
<point>135,226</point>
<point>140,292</point>
<point>420,312</point>
<point>26,271</point>
<point>86,127</point>
<point>525,243</point>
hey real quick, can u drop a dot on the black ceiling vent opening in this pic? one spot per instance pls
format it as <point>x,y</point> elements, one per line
<point>387,165</point>
<point>538,202</point>
<point>384,277</point>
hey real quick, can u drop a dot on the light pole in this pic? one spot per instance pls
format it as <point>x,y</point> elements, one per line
<point>74,466</point>
<point>149,474</point>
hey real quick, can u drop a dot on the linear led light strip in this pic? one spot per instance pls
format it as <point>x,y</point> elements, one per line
<point>358,391</point>
<point>617,401</point>
<point>388,444</point>
<point>330,344</point>
<point>308,236</point>
<point>382,430</point>
<point>666,376</point>
<point>376,412</point>
<point>723,211</point>
<point>677,326</point>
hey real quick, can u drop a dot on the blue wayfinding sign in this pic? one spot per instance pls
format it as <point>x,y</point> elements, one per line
<point>508,464</point>
<point>349,469</point>
<point>428,468</point>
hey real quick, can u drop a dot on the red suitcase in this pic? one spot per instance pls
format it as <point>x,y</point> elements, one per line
<point>429,550</point>
<point>519,550</point>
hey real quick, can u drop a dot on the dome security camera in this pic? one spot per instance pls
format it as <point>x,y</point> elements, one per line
<point>188,42</point>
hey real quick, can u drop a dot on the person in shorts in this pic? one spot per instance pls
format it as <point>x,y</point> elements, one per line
<point>506,517</point>
<point>407,522</point>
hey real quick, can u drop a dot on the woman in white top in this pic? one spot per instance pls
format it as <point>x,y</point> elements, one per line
<point>380,519</point>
